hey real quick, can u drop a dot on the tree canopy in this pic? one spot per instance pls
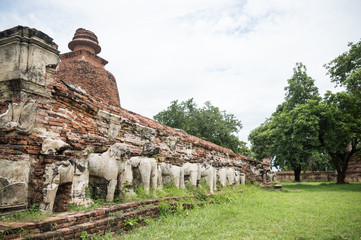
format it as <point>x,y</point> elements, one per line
<point>345,70</point>
<point>207,122</point>
<point>301,88</point>
<point>306,129</point>
<point>288,136</point>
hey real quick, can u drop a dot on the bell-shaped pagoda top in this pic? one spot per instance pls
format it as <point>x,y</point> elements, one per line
<point>85,39</point>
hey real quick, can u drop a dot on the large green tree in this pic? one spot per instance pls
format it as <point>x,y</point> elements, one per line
<point>207,122</point>
<point>340,113</point>
<point>289,137</point>
<point>290,134</point>
<point>340,129</point>
<point>313,128</point>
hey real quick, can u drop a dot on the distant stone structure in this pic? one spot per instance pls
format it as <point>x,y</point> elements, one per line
<point>62,127</point>
<point>289,176</point>
<point>353,173</point>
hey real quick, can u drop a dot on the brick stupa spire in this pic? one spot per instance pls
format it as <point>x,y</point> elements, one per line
<point>83,67</point>
<point>85,39</point>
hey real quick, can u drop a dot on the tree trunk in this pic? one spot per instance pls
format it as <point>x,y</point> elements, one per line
<point>341,177</point>
<point>341,164</point>
<point>297,172</point>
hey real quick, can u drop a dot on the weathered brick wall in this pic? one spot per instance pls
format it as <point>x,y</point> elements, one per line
<point>26,55</point>
<point>306,175</point>
<point>90,75</point>
<point>353,173</point>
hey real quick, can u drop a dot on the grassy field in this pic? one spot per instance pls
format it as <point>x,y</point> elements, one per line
<point>300,211</point>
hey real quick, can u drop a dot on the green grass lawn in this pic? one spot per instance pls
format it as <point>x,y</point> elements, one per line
<point>301,211</point>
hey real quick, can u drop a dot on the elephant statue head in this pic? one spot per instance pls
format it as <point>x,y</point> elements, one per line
<point>119,151</point>
<point>150,149</point>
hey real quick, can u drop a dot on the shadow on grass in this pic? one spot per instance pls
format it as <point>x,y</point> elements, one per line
<point>322,186</point>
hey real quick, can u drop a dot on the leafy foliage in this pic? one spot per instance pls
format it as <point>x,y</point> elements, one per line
<point>301,88</point>
<point>345,70</point>
<point>340,129</point>
<point>208,122</point>
<point>319,161</point>
<point>290,134</point>
<point>306,127</point>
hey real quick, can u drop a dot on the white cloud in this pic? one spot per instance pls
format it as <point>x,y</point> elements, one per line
<point>237,54</point>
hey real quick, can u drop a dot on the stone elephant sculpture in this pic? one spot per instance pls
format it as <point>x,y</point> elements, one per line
<point>240,178</point>
<point>222,176</point>
<point>208,173</point>
<point>237,177</point>
<point>125,178</point>
<point>243,178</point>
<point>270,176</point>
<point>105,165</point>
<point>159,177</point>
<point>53,146</point>
<point>80,183</point>
<point>231,175</point>
<point>192,173</point>
<point>56,174</point>
<point>143,168</point>
<point>21,117</point>
<point>171,174</point>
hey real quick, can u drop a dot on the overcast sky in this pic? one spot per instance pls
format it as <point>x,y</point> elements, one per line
<point>236,54</point>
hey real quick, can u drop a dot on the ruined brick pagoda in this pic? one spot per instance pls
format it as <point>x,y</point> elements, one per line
<point>83,67</point>
<point>54,114</point>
